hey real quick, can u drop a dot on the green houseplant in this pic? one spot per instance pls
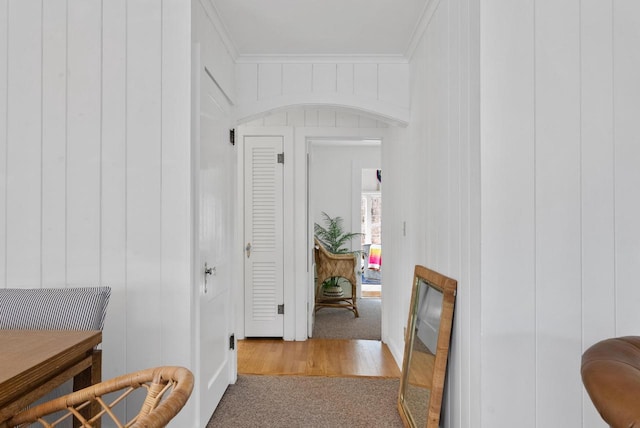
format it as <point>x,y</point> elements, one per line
<point>333,237</point>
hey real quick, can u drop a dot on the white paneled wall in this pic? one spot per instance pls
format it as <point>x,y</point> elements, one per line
<point>597,149</point>
<point>22,147</point>
<point>559,180</point>
<point>557,212</point>
<point>625,60</point>
<point>431,183</point>
<point>54,130</point>
<point>378,88</point>
<point>4,119</point>
<point>95,165</point>
<point>508,348</point>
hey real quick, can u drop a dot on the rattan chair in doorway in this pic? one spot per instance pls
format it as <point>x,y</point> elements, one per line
<point>329,265</point>
<point>167,390</point>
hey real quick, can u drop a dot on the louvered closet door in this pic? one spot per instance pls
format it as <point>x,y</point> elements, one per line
<point>263,237</point>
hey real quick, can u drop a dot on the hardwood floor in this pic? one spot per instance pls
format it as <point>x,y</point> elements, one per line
<point>316,357</point>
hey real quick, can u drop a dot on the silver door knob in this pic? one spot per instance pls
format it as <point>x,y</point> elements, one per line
<point>248,249</point>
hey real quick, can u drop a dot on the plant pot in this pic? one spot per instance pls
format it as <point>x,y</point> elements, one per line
<point>333,291</point>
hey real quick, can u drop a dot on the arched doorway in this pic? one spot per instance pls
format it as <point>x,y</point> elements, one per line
<point>304,125</point>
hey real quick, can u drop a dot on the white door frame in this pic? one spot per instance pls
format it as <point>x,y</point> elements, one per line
<point>289,289</point>
<point>298,237</point>
<point>304,243</point>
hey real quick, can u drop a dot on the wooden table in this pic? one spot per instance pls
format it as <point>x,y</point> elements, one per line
<point>34,362</point>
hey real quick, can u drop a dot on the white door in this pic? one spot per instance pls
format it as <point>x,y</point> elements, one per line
<point>263,232</point>
<point>214,222</point>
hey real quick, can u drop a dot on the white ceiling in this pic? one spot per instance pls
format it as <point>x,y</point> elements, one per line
<point>320,27</point>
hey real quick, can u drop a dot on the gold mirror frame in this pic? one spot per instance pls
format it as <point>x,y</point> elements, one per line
<point>424,371</point>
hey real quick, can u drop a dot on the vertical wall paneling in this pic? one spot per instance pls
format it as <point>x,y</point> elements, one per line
<point>426,128</point>
<point>269,81</point>
<point>296,79</point>
<point>295,117</point>
<point>597,172</point>
<point>626,57</point>
<point>345,78</point>
<point>143,171</point>
<point>276,119</point>
<point>507,213</point>
<point>54,142</point>
<point>453,136</point>
<point>325,78</point>
<point>454,195</point>
<point>365,80</point>
<point>415,132</point>
<point>83,141</point>
<point>558,214</point>
<point>247,92</point>
<point>346,120</point>
<point>311,117</point>
<point>472,410</point>
<point>113,181</point>
<point>437,178</point>
<point>4,88</point>
<point>326,118</point>
<point>175,263</point>
<point>24,143</point>
<point>392,85</point>
<point>95,167</point>
<point>379,88</point>
<point>366,122</point>
<point>256,122</point>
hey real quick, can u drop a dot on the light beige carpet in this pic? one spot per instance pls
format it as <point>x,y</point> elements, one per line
<point>339,323</point>
<point>308,401</point>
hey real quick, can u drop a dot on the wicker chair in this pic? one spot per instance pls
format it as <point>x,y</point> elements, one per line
<point>329,265</point>
<point>174,382</point>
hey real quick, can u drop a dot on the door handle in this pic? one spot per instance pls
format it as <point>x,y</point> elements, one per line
<point>208,271</point>
<point>248,249</point>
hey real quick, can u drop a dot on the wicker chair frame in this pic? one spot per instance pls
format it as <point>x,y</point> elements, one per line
<point>174,382</point>
<point>329,265</point>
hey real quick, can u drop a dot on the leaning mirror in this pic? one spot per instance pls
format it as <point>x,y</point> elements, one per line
<point>426,351</point>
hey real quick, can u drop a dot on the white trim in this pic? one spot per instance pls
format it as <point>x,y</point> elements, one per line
<point>304,136</point>
<point>427,13</point>
<point>356,190</point>
<point>218,24</point>
<point>298,279</point>
<point>321,59</point>
<point>394,115</point>
<point>356,141</point>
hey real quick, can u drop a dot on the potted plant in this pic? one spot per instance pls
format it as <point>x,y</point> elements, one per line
<point>334,239</point>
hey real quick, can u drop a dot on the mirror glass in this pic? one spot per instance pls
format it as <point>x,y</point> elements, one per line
<point>426,353</point>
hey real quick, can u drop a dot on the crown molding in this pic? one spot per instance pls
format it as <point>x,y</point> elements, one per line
<point>220,27</point>
<point>345,142</point>
<point>321,59</point>
<point>425,18</point>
